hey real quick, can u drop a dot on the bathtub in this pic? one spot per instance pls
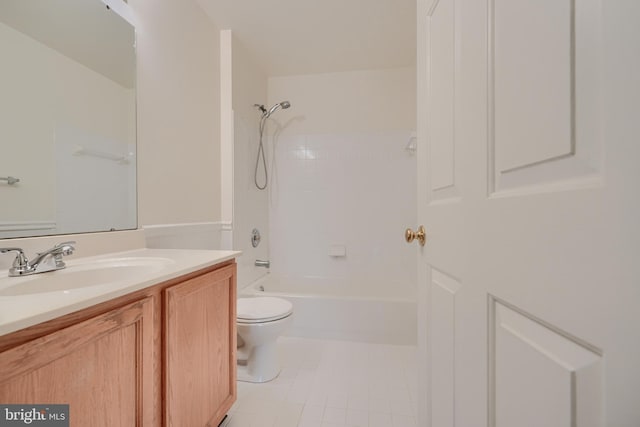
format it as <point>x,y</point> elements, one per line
<point>325,310</point>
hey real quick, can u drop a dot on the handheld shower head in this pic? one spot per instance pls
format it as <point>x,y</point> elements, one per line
<point>284,105</point>
<point>263,121</point>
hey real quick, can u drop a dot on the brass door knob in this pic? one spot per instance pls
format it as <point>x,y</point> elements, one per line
<point>421,235</point>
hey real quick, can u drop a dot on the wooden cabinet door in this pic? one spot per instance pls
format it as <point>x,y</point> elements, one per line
<point>200,348</point>
<point>102,368</point>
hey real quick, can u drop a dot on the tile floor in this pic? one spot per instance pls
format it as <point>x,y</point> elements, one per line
<point>333,383</point>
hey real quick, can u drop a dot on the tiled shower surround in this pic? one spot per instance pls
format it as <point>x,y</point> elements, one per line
<point>349,191</point>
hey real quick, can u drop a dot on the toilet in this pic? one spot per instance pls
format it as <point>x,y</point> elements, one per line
<point>260,321</point>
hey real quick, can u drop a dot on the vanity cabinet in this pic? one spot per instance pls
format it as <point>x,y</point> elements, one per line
<point>200,351</point>
<point>102,367</point>
<point>164,355</point>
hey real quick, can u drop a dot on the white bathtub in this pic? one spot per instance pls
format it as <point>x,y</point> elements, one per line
<point>323,310</point>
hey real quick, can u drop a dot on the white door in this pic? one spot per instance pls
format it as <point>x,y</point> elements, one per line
<point>529,190</point>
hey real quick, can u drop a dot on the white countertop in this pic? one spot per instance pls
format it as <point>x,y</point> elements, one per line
<point>21,311</point>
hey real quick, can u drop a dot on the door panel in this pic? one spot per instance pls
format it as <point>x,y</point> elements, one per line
<point>441,92</point>
<point>562,376</point>
<point>544,86</point>
<point>528,190</point>
<point>442,329</point>
<point>521,141</point>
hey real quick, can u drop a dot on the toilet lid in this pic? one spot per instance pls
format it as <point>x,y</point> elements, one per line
<point>263,309</point>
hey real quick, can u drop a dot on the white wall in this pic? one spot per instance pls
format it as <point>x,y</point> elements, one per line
<point>250,208</point>
<point>341,176</point>
<point>178,113</point>
<point>367,100</point>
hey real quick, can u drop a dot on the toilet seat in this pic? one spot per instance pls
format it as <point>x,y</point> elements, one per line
<point>262,309</point>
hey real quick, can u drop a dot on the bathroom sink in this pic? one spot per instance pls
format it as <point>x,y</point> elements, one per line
<point>111,271</point>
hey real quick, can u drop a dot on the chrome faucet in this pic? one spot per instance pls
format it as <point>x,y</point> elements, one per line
<point>260,263</point>
<point>48,260</point>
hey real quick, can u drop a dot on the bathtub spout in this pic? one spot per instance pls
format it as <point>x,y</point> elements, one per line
<point>261,263</point>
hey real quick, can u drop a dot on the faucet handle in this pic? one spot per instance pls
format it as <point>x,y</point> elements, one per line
<point>69,243</point>
<point>65,248</point>
<point>21,260</point>
<point>5,250</point>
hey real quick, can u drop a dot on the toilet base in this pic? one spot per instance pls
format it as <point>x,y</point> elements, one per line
<point>261,365</point>
<point>244,376</point>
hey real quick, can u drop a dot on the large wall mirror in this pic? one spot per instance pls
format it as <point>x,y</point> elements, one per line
<point>67,118</point>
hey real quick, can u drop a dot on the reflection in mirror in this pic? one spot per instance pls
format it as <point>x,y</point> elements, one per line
<point>67,118</point>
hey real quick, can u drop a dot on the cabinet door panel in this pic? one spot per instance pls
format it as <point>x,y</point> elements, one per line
<point>102,368</point>
<point>200,347</point>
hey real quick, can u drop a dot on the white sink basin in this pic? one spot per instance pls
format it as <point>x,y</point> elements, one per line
<point>84,275</point>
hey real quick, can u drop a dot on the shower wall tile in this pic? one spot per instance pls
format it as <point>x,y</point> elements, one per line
<point>352,189</point>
